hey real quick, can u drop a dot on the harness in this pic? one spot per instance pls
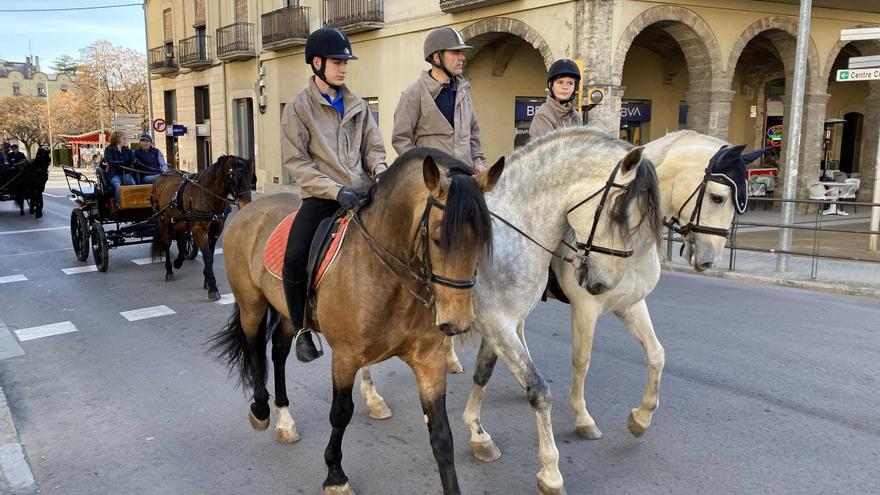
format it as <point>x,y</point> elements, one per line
<point>693,224</point>
<point>195,215</point>
<point>587,247</point>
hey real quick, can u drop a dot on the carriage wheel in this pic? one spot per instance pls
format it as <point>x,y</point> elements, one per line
<point>100,249</point>
<point>79,234</point>
<point>191,249</point>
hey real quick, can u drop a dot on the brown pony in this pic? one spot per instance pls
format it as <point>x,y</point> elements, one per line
<point>402,281</point>
<point>198,205</point>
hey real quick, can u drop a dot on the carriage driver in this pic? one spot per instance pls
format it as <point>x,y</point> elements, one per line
<point>332,147</point>
<point>558,110</point>
<point>436,111</point>
<point>151,163</point>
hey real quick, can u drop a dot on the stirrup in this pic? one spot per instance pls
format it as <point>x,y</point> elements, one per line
<point>309,352</point>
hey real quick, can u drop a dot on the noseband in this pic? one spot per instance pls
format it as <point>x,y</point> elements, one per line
<point>693,224</point>
<point>425,276</point>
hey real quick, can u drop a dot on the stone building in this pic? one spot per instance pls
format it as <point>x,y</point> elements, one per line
<point>224,69</point>
<point>26,79</point>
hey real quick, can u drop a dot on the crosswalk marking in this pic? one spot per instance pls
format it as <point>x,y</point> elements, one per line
<point>225,299</point>
<point>45,331</point>
<point>145,261</point>
<point>80,269</point>
<point>12,278</point>
<point>45,229</point>
<point>144,313</point>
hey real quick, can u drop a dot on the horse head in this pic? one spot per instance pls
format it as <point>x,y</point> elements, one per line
<point>239,178</point>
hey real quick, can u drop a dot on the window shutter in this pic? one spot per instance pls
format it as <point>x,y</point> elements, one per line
<point>199,12</point>
<point>168,26</point>
<point>241,12</point>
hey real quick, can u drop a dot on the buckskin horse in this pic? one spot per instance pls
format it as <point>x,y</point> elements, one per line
<point>198,205</point>
<point>402,279</point>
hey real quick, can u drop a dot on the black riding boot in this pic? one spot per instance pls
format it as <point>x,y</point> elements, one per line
<point>295,293</point>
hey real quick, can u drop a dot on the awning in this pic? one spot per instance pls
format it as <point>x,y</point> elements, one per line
<point>93,137</point>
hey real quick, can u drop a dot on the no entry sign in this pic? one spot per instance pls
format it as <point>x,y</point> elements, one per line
<point>159,125</point>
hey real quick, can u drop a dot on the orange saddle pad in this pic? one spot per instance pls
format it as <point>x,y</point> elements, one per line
<point>276,245</point>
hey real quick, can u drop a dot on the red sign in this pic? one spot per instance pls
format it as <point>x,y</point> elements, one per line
<point>160,125</point>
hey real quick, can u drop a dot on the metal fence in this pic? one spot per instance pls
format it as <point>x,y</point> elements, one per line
<point>163,57</point>
<point>341,13</point>
<point>235,38</point>
<point>195,49</point>
<point>285,24</point>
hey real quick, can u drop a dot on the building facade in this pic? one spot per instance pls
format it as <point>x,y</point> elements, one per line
<point>224,69</point>
<point>26,79</point>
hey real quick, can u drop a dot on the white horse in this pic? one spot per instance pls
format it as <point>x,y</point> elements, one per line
<point>701,206</point>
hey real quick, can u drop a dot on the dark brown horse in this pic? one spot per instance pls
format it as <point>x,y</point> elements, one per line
<point>198,205</point>
<point>417,242</point>
<point>25,182</point>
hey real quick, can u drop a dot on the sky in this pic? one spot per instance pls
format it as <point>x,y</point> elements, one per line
<point>52,34</point>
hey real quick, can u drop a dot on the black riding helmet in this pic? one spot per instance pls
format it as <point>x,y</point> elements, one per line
<point>560,68</point>
<point>327,43</point>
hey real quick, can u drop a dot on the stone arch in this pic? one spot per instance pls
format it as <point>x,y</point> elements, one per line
<point>770,23</point>
<point>865,47</point>
<point>693,35</point>
<point>486,31</point>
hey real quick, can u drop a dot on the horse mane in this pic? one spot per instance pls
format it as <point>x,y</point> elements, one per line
<point>579,133</point>
<point>645,188</point>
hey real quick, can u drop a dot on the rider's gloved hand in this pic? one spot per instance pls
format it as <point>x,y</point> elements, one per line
<point>347,198</point>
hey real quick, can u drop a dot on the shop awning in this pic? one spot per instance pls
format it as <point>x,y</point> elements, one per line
<point>93,137</point>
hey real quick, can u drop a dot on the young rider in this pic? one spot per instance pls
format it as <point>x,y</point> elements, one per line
<point>558,110</point>
<point>436,111</point>
<point>332,147</point>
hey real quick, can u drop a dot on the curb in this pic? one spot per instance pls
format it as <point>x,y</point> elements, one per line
<point>15,473</point>
<point>782,282</point>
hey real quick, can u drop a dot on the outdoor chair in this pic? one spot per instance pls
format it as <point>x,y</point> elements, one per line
<point>849,193</point>
<point>818,192</point>
<point>757,189</point>
<point>839,176</point>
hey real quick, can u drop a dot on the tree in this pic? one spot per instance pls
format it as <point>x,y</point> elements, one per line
<point>65,64</point>
<point>120,73</point>
<point>24,119</point>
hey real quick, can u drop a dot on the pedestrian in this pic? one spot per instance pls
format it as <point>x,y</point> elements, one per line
<point>331,146</point>
<point>436,111</point>
<point>118,164</point>
<point>150,162</point>
<point>558,111</point>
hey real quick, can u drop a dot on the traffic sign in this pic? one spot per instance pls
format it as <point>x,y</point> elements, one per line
<point>160,125</point>
<point>858,74</point>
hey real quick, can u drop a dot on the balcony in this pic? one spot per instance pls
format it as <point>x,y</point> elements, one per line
<point>195,52</point>
<point>236,42</point>
<point>163,60</point>
<point>353,16</point>
<point>284,28</point>
<point>451,6</point>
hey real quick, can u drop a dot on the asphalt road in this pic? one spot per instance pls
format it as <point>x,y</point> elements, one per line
<point>766,390</point>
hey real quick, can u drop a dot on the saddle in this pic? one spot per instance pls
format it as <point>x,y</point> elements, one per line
<point>322,253</point>
<point>554,290</point>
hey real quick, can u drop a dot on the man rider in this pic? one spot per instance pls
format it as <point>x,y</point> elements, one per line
<point>331,171</point>
<point>558,110</point>
<point>436,111</point>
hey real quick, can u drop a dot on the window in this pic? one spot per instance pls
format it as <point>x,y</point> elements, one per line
<point>64,88</point>
<point>243,127</point>
<point>203,104</point>
<point>41,90</point>
<point>16,89</point>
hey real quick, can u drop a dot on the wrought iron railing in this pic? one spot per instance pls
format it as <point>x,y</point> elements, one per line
<point>342,13</point>
<point>195,50</point>
<point>235,38</point>
<point>285,24</point>
<point>163,58</point>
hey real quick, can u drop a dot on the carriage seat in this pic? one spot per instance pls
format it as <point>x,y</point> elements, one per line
<point>85,191</point>
<point>325,246</point>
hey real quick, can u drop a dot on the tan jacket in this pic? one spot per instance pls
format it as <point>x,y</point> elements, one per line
<point>419,123</point>
<point>552,115</point>
<point>325,153</point>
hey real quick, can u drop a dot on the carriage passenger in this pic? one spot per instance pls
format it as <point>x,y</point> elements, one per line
<point>436,111</point>
<point>332,147</point>
<point>150,162</point>
<point>118,162</point>
<point>558,110</point>
<point>14,155</point>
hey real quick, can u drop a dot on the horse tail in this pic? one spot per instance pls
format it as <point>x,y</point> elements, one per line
<point>231,345</point>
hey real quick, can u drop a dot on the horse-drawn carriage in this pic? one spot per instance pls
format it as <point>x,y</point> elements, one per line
<point>133,220</point>
<point>24,182</point>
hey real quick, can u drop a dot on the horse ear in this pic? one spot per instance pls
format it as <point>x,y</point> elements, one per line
<point>735,151</point>
<point>632,160</point>
<point>487,178</point>
<point>431,173</point>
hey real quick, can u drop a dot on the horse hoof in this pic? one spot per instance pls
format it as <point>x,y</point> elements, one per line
<point>454,368</point>
<point>545,489</point>
<point>258,424</point>
<point>286,435</point>
<point>590,432</point>
<point>214,296</point>
<point>39,215</point>
<point>635,429</point>
<point>345,489</point>
<point>379,410</point>
<point>178,264</point>
<point>485,451</point>
<point>169,277</point>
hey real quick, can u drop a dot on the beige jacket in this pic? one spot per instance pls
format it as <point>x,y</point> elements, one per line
<point>419,123</point>
<point>325,153</point>
<point>552,115</point>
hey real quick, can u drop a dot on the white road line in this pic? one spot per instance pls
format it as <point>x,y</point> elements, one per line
<point>80,269</point>
<point>34,252</point>
<point>146,261</point>
<point>45,331</point>
<point>12,278</point>
<point>144,313</point>
<point>53,195</point>
<point>225,299</point>
<point>45,229</point>
<point>218,251</point>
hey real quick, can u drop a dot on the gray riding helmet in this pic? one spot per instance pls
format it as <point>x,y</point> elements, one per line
<point>444,38</point>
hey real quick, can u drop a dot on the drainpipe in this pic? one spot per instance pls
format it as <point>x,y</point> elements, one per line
<point>149,77</point>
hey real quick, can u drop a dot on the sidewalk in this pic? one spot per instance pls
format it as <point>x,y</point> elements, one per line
<point>840,276</point>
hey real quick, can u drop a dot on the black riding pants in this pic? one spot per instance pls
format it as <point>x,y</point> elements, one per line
<point>311,213</point>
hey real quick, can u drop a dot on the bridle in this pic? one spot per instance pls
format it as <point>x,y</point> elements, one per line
<point>583,249</point>
<point>424,275</point>
<point>693,224</point>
